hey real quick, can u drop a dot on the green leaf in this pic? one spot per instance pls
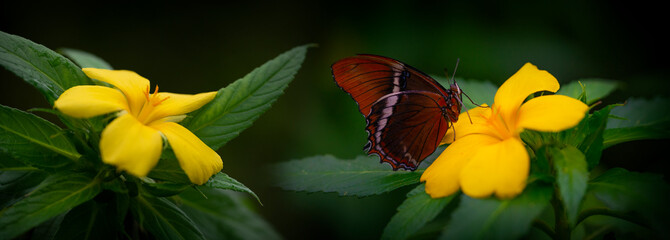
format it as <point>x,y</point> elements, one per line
<point>638,119</point>
<point>362,176</point>
<point>223,181</point>
<point>57,194</point>
<point>594,89</point>
<point>85,59</point>
<point>164,189</point>
<point>163,219</point>
<point>481,92</point>
<point>238,105</point>
<point>168,169</point>
<point>223,215</point>
<point>16,184</point>
<point>630,192</point>
<point>34,140</point>
<point>571,177</point>
<point>41,67</point>
<point>97,219</point>
<point>492,218</point>
<point>417,210</point>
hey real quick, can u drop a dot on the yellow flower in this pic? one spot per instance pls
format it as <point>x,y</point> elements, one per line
<point>488,156</point>
<point>133,142</point>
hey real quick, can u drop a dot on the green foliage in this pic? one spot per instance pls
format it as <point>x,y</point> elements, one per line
<point>238,105</point>
<point>417,210</point>
<point>85,59</point>
<point>223,181</point>
<point>561,165</point>
<point>362,176</point>
<point>224,215</point>
<point>57,194</point>
<point>591,90</point>
<point>33,140</point>
<point>638,119</point>
<point>55,186</point>
<point>41,67</point>
<point>497,219</point>
<point>571,177</point>
<point>163,219</point>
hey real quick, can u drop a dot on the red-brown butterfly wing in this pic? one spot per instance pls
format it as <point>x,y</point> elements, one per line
<point>367,78</point>
<point>404,128</point>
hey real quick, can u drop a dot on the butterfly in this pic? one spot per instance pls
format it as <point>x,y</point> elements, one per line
<point>407,112</point>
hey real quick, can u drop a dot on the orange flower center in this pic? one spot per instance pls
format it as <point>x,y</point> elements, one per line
<point>152,101</point>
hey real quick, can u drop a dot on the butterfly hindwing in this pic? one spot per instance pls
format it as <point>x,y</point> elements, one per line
<point>404,128</point>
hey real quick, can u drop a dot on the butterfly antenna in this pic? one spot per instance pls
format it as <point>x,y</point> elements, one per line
<point>455,68</point>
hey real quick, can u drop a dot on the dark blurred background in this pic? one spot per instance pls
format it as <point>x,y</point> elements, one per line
<point>192,48</point>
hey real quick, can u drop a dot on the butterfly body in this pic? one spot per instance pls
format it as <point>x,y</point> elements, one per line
<point>407,112</point>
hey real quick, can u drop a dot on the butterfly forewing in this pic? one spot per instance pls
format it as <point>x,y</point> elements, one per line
<point>367,78</point>
<point>406,127</point>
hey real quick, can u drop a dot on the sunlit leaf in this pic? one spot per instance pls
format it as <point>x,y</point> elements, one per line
<point>223,181</point>
<point>238,105</point>
<point>41,67</point>
<point>492,218</point>
<point>594,89</point>
<point>417,210</point>
<point>34,140</point>
<point>223,215</point>
<point>362,176</point>
<point>57,194</point>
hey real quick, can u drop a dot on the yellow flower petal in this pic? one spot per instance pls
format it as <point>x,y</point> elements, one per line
<point>442,177</point>
<point>90,101</point>
<point>470,122</point>
<point>551,113</point>
<point>529,79</point>
<point>197,160</point>
<point>500,169</point>
<point>131,146</point>
<point>130,83</point>
<point>178,104</point>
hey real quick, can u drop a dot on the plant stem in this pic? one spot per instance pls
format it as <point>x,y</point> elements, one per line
<point>545,228</point>
<point>562,226</point>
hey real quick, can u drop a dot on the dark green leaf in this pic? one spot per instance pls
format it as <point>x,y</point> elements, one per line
<point>417,210</point>
<point>41,67</point>
<point>223,181</point>
<point>164,189</point>
<point>168,169</point>
<point>238,105</point>
<point>641,193</point>
<point>594,89</point>
<point>223,215</point>
<point>571,177</point>
<point>57,194</point>
<point>34,140</point>
<point>362,176</point>
<point>85,59</point>
<point>163,219</point>
<point>497,219</point>
<point>638,119</point>
<point>14,185</point>
<point>97,219</point>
